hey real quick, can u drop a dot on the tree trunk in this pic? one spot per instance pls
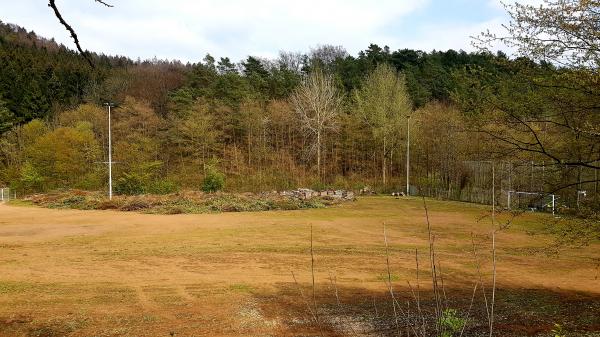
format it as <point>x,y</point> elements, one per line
<point>319,154</point>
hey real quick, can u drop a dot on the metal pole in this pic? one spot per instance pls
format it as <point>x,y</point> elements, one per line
<point>531,179</point>
<point>510,169</point>
<point>493,190</point>
<point>542,183</point>
<point>578,186</point>
<point>408,156</point>
<point>109,158</point>
<point>110,189</point>
<point>596,183</point>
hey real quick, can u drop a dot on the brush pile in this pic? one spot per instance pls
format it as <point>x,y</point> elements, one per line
<point>183,202</point>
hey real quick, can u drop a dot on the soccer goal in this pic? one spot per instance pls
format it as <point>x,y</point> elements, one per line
<point>4,194</point>
<point>534,201</point>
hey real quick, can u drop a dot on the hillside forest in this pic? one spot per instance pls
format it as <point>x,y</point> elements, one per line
<point>319,119</point>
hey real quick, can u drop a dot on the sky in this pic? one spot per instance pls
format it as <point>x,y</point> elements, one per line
<point>187,30</point>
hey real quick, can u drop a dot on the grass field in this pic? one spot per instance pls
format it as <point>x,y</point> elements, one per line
<point>108,273</point>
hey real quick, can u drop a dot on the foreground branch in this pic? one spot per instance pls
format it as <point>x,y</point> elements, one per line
<point>104,3</point>
<point>85,54</point>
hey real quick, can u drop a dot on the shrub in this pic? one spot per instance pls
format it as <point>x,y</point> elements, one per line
<point>70,201</point>
<point>91,181</point>
<point>558,330</point>
<point>31,179</point>
<point>312,203</point>
<point>129,184</point>
<point>451,323</point>
<point>213,180</point>
<point>319,186</point>
<point>162,187</point>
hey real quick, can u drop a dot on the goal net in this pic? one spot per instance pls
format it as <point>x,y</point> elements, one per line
<point>5,194</point>
<point>533,201</point>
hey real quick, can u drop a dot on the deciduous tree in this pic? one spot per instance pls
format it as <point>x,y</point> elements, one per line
<point>382,103</point>
<point>318,103</point>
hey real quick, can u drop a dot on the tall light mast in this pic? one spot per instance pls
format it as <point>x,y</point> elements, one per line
<point>408,156</point>
<point>109,105</point>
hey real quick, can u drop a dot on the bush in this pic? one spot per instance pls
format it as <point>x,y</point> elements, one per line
<point>31,179</point>
<point>558,331</point>
<point>213,180</point>
<point>71,201</point>
<point>130,184</point>
<point>91,181</point>
<point>451,323</point>
<point>319,186</point>
<point>162,187</point>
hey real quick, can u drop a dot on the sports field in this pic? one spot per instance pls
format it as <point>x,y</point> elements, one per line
<point>108,273</point>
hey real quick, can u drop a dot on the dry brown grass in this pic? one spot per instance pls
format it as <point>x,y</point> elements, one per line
<point>108,273</point>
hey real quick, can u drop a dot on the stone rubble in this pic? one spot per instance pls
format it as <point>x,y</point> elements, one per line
<point>307,193</point>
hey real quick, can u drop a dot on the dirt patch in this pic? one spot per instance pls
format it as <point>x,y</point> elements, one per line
<point>356,311</point>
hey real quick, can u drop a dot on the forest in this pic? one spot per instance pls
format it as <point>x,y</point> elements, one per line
<point>321,119</point>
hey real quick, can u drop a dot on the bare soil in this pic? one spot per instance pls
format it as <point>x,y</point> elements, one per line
<point>110,273</point>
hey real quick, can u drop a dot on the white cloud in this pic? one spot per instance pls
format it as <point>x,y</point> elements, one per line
<point>452,35</point>
<point>187,29</point>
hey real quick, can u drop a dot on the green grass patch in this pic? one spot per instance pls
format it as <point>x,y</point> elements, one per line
<point>386,277</point>
<point>241,288</point>
<point>12,287</point>
<point>20,203</point>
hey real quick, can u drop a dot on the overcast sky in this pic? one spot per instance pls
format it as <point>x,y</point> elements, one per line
<point>187,29</point>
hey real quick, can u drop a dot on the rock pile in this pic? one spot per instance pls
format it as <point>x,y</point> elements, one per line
<point>307,193</point>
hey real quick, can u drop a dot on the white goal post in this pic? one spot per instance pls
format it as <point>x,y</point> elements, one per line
<point>531,200</point>
<point>4,194</point>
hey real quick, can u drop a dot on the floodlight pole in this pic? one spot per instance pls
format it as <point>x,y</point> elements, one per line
<point>408,156</point>
<point>109,105</point>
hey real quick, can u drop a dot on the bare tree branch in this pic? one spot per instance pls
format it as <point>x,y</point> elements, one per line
<point>104,3</point>
<point>85,54</point>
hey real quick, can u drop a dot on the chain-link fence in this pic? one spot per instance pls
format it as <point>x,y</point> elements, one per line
<point>523,184</point>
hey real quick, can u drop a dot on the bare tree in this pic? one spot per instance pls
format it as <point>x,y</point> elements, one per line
<point>317,102</point>
<point>293,61</point>
<point>326,55</point>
